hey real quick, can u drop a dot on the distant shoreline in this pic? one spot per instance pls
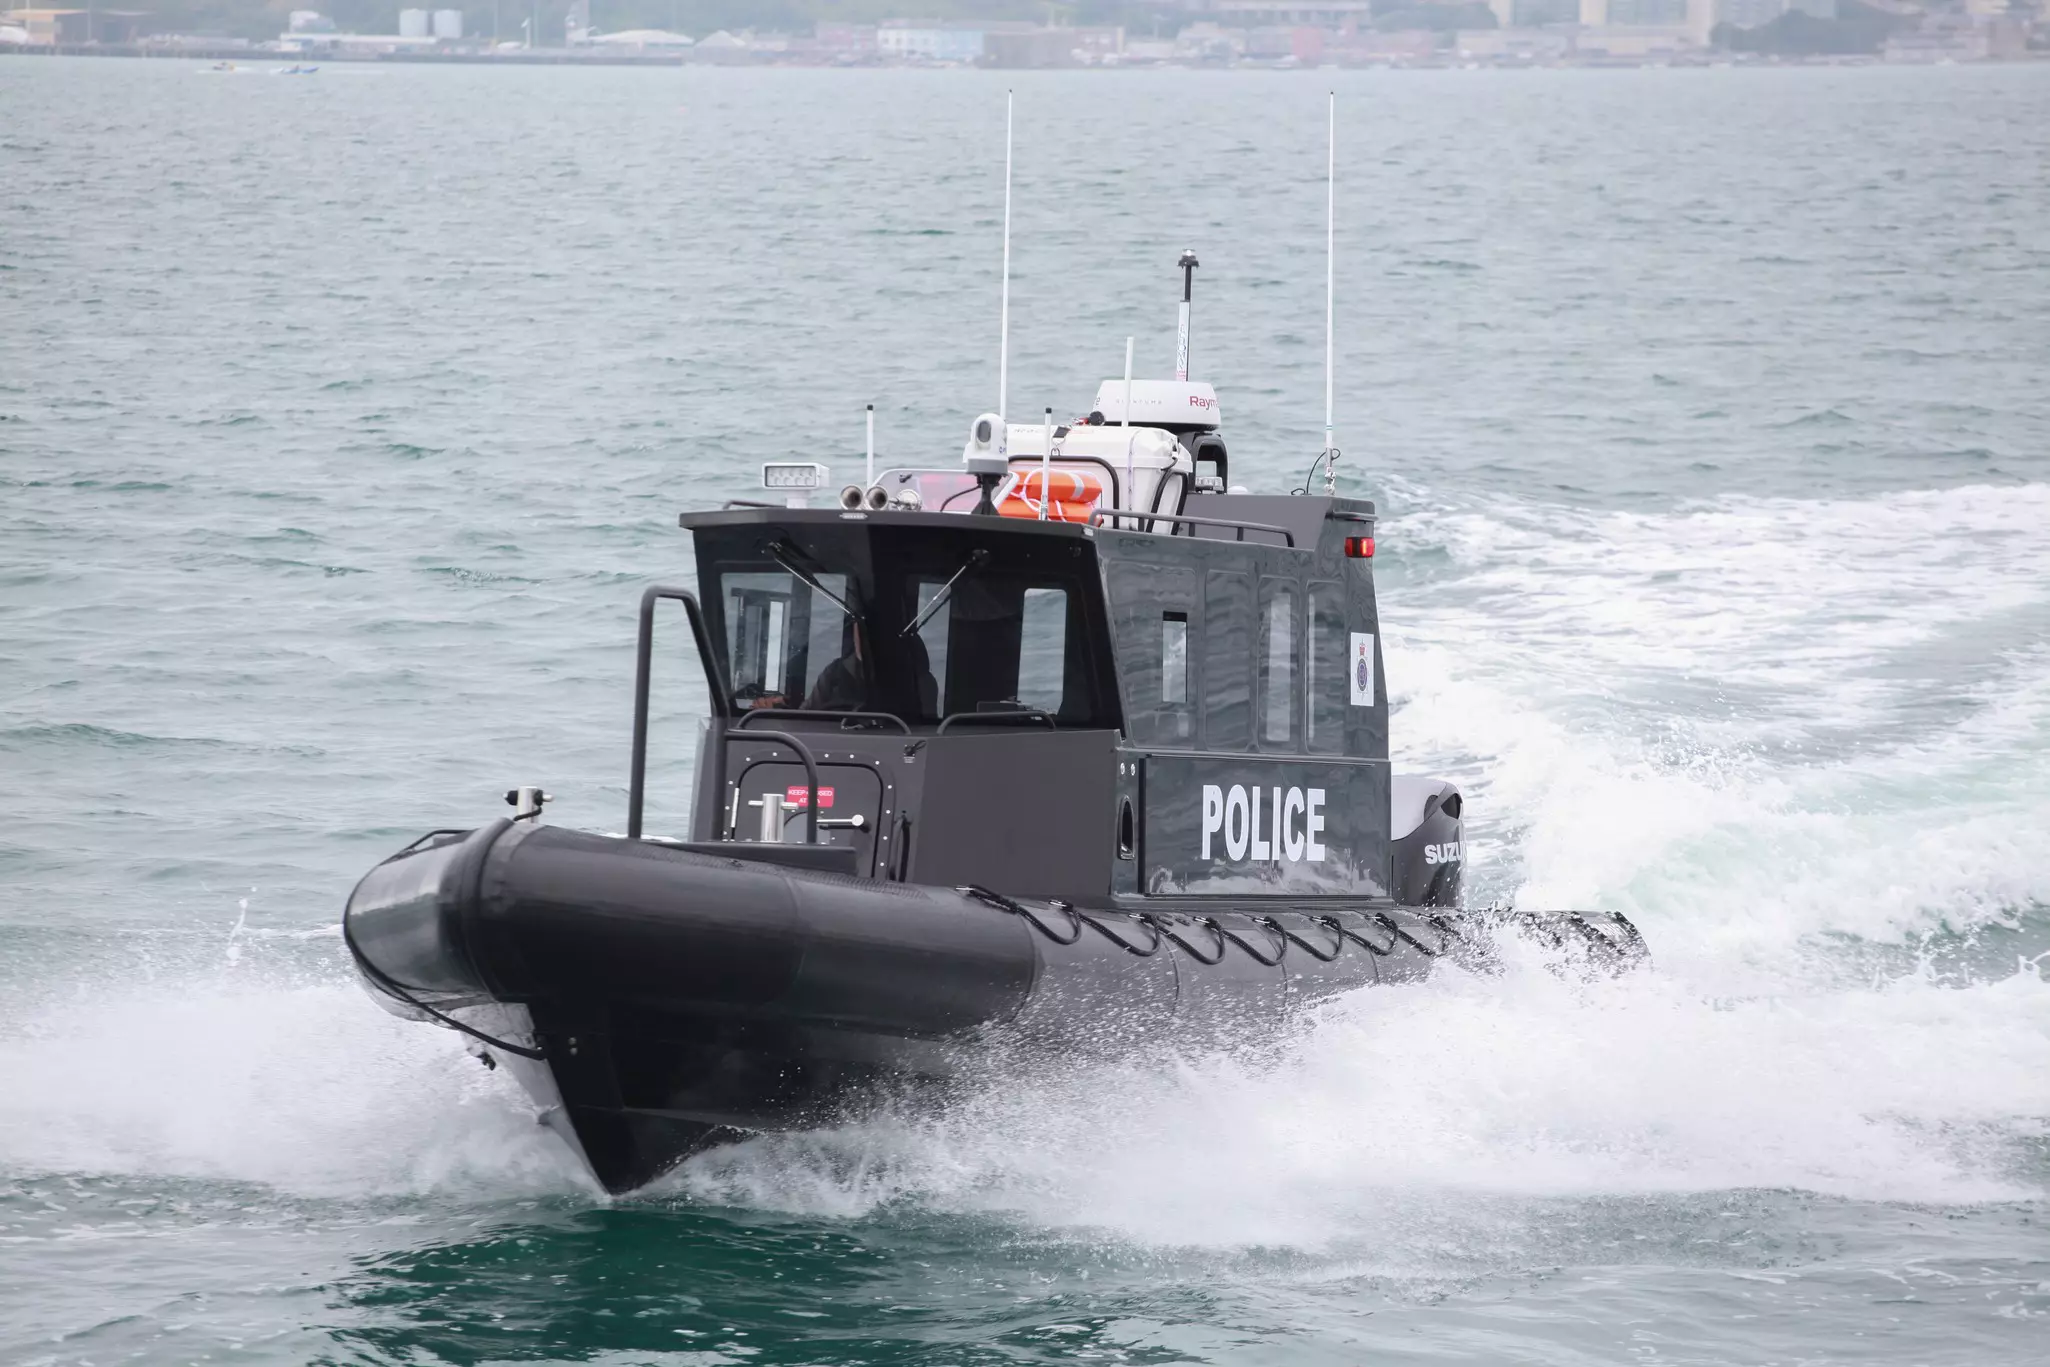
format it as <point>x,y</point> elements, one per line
<point>1450,61</point>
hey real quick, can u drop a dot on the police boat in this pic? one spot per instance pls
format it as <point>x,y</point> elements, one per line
<point>1070,747</point>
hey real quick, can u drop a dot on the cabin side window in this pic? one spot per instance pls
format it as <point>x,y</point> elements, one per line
<point>1278,696</point>
<point>1227,660</point>
<point>1324,682</point>
<point>783,636</point>
<point>1151,608</point>
<point>1174,659</point>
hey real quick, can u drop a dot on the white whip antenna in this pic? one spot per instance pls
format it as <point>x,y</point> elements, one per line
<point>1330,284</point>
<point>1004,315</point>
<point>870,483</point>
<point>1131,496</point>
<point>1128,384</point>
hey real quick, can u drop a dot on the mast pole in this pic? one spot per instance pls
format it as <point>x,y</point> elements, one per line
<point>1330,287</point>
<point>1046,468</point>
<point>871,448</point>
<point>1004,314</point>
<point>1181,337</point>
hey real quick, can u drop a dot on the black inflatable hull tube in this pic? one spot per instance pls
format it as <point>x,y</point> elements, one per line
<point>565,914</point>
<point>679,997</point>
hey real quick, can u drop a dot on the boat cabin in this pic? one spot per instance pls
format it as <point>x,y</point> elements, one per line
<point>1078,665</point>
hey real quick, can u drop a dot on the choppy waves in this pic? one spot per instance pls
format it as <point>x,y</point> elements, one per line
<point>1801,745</point>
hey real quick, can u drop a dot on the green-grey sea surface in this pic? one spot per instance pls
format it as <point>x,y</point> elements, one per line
<point>343,418</point>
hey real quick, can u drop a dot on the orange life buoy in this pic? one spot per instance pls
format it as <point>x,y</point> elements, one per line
<point>1075,495</point>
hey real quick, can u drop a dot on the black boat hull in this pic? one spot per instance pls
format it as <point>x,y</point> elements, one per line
<point>656,999</point>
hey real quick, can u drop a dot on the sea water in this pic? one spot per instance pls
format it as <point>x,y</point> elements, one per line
<point>342,421</point>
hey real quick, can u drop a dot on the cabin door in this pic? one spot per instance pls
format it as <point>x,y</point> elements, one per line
<point>850,806</point>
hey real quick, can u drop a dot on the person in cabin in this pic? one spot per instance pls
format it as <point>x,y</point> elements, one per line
<point>842,686</point>
<point>920,660</point>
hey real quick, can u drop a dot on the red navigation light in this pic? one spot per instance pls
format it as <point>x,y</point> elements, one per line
<point>1359,548</point>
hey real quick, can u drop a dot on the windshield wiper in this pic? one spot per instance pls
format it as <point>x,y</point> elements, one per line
<point>784,554</point>
<point>976,560</point>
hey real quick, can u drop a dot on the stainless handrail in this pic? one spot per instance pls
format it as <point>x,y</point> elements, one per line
<point>644,656</point>
<point>644,653</point>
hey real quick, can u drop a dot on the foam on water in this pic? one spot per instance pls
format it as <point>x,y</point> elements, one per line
<point>1529,1086</point>
<point>309,1089</point>
<point>1750,847</point>
<point>1841,792</point>
<point>1865,747</point>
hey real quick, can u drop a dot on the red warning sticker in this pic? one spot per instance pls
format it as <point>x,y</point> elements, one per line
<point>795,795</point>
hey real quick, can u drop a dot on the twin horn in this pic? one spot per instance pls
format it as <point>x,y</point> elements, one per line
<point>854,497</point>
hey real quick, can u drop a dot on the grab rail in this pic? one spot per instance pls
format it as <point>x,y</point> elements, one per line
<point>644,653</point>
<point>715,683</point>
<point>1097,518</point>
<point>814,714</point>
<point>811,776</point>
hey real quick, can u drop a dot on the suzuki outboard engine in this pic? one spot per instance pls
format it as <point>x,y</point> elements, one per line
<point>1427,841</point>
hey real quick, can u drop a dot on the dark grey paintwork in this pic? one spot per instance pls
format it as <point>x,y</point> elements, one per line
<point>1274,803</point>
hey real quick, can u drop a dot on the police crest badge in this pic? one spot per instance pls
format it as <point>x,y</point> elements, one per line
<point>1360,669</point>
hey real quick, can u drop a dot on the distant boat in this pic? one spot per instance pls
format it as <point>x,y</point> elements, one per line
<point>296,70</point>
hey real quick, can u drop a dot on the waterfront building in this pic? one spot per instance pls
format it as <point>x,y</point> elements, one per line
<point>1404,47</point>
<point>1515,46</point>
<point>1647,13</point>
<point>1270,43</point>
<point>1534,13</point>
<point>1291,14</point>
<point>931,40</point>
<point>1748,13</point>
<point>57,26</point>
<point>1959,38</point>
<point>1645,28</point>
<point>845,38</point>
<point>1208,42</point>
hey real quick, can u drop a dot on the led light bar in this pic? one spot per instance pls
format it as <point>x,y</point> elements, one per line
<point>794,475</point>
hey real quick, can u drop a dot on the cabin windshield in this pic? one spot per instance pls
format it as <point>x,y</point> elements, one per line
<point>921,624</point>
